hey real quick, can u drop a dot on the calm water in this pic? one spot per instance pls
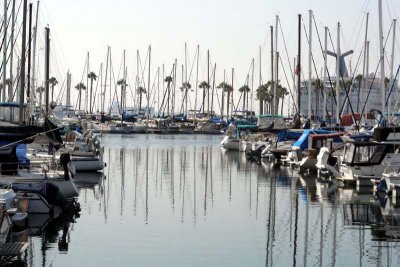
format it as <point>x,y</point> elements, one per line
<point>182,201</point>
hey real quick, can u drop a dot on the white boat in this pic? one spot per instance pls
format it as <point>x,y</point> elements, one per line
<point>230,143</point>
<point>362,161</point>
<point>86,161</point>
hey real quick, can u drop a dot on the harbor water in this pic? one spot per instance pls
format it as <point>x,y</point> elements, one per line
<point>181,200</point>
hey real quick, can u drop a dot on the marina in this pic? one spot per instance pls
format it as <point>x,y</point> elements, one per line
<point>273,142</point>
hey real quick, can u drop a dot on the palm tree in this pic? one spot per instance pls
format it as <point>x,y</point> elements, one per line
<point>53,81</point>
<point>168,80</point>
<point>264,95</point>
<point>281,93</point>
<point>205,86</point>
<point>244,90</point>
<point>226,87</point>
<point>140,91</point>
<point>92,76</point>
<point>80,86</point>
<point>184,88</point>
<point>40,91</point>
<point>123,85</point>
<point>317,86</point>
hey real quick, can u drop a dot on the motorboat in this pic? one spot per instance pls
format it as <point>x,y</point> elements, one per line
<point>362,161</point>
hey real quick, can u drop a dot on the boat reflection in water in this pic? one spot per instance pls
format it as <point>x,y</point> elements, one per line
<point>187,202</point>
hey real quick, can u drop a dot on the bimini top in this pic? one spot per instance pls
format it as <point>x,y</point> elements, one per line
<point>11,104</point>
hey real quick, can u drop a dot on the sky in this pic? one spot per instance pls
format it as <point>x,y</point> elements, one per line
<point>231,30</point>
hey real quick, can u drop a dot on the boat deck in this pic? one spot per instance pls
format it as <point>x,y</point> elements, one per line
<point>11,250</point>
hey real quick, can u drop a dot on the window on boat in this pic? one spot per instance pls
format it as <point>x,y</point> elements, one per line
<point>363,154</point>
<point>369,154</point>
<point>348,153</point>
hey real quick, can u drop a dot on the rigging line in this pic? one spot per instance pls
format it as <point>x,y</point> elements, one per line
<point>2,25</point>
<point>312,57</point>
<point>31,137</point>
<point>358,34</point>
<point>16,37</point>
<point>370,88</point>
<point>287,81</point>
<point>345,89</point>
<point>191,69</point>
<point>143,69</point>
<point>323,55</point>
<point>286,51</point>
<point>388,9</point>
<point>130,87</point>
<point>97,85</point>
<point>2,18</point>
<point>352,83</point>
<point>84,68</point>
<point>61,92</point>
<point>391,89</point>
<point>315,69</point>
<point>153,85</point>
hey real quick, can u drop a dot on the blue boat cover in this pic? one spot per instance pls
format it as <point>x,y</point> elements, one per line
<point>21,153</point>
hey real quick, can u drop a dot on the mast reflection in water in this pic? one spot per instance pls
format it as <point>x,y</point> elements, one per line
<point>182,201</point>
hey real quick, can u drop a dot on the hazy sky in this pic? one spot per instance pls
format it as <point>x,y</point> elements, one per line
<point>231,29</point>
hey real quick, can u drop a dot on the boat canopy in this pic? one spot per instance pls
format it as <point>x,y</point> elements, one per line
<point>302,142</point>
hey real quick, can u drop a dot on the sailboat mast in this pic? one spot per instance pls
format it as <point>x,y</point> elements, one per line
<point>123,88</point>
<point>148,84</point>
<point>208,83</point>
<point>272,66</point>
<point>365,73</point>
<point>197,82</point>
<point>10,86</point>
<point>28,87</point>
<point>382,55</point>
<point>33,83</point>
<point>261,106</point>
<point>325,74</point>
<point>298,67</point>
<point>23,58</point>
<point>105,83</point>
<point>252,87</point>
<point>68,103</point>
<point>275,99</point>
<point>338,55</point>
<point>294,89</point>
<point>309,64</point>
<point>87,81</point>
<point>231,95</point>
<point>186,80</point>
<point>174,92</point>
<point>392,62</point>
<point>3,89</point>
